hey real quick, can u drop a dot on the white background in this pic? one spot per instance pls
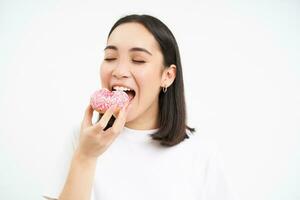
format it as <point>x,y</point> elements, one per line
<point>241,65</point>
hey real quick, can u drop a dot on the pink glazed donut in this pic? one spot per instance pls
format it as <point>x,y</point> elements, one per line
<point>102,99</point>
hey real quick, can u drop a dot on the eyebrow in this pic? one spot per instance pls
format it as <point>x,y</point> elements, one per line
<point>132,49</point>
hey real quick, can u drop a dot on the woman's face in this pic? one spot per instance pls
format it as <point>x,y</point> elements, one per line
<point>133,59</point>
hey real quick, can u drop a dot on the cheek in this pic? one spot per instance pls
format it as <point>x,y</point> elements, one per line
<point>149,83</point>
<point>104,75</point>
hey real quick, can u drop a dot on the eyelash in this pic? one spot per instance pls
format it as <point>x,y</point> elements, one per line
<point>135,61</point>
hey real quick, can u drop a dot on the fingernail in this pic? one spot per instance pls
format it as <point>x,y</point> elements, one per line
<point>126,105</point>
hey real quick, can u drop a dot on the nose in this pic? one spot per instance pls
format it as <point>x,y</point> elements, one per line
<point>121,71</point>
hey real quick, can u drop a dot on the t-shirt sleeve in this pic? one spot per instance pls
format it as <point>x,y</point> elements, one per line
<point>217,184</point>
<point>57,171</point>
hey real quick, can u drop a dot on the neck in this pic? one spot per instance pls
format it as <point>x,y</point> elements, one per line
<point>142,125</point>
<point>147,120</point>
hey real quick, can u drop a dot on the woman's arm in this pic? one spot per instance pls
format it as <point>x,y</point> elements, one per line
<point>93,141</point>
<point>80,178</point>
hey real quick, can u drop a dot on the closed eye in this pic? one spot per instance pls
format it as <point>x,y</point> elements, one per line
<point>138,61</point>
<point>110,59</point>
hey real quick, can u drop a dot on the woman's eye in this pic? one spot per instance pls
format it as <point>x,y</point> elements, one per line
<point>138,61</point>
<point>109,59</point>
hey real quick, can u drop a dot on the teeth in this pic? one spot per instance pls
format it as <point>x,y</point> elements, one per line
<point>121,88</point>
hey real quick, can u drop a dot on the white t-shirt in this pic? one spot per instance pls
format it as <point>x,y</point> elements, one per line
<point>136,167</point>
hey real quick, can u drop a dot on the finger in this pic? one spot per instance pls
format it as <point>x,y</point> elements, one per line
<point>124,107</point>
<point>105,118</point>
<point>87,120</point>
<point>119,122</point>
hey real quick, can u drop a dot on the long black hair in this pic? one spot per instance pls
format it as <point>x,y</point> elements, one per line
<point>172,109</point>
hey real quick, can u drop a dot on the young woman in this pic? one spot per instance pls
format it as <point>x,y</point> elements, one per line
<point>145,151</point>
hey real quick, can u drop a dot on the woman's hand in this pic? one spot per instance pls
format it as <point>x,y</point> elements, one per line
<point>93,140</point>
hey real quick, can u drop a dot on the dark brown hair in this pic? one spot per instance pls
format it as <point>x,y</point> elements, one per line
<point>172,109</point>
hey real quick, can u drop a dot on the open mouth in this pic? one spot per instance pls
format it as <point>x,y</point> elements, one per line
<point>129,92</point>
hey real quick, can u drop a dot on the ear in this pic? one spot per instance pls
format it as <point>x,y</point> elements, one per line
<point>168,76</point>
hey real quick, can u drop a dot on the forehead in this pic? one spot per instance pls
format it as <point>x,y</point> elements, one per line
<point>128,35</point>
